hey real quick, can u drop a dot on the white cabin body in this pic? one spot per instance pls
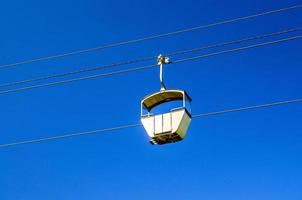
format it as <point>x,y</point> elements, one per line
<point>170,126</point>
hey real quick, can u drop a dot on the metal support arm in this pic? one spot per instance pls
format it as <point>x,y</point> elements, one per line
<point>161,60</point>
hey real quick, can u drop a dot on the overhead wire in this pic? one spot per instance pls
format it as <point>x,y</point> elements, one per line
<point>257,37</point>
<point>149,58</point>
<point>116,128</point>
<point>78,79</point>
<point>70,135</point>
<point>152,36</point>
<point>76,72</point>
<point>150,66</point>
<point>238,49</point>
<point>248,108</point>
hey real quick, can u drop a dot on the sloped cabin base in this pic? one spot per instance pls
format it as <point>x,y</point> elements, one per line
<point>168,127</point>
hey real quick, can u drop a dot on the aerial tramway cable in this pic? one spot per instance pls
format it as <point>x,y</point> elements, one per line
<point>228,21</point>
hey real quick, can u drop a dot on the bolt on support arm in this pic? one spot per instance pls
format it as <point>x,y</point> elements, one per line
<point>161,60</point>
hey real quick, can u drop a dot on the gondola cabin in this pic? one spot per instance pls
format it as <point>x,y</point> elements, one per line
<point>167,127</point>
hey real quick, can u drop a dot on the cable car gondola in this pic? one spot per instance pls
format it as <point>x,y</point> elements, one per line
<point>167,127</point>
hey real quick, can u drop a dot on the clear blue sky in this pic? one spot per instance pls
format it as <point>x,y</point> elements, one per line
<point>247,155</point>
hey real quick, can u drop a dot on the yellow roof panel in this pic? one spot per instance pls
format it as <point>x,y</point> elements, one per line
<point>163,96</point>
